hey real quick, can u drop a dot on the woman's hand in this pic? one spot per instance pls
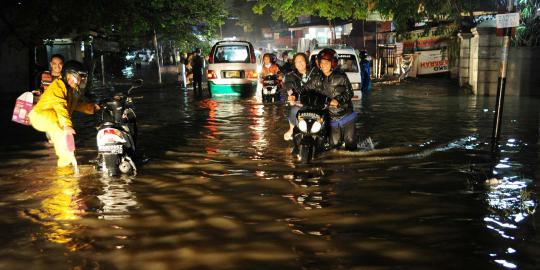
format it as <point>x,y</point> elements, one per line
<point>69,130</point>
<point>334,103</point>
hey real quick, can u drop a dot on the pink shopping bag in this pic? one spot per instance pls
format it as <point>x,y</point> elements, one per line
<point>23,106</point>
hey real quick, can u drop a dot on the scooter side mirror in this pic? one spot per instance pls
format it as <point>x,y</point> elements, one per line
<point>137,83</point>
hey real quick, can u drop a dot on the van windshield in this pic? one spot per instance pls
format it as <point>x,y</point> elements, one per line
<point>347,62</point>
<point>231,54</point>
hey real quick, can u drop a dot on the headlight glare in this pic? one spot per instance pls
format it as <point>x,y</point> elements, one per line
<point>316,127</point>
<point>302,125</point>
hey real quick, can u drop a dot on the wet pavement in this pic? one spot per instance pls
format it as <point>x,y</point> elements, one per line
<point>221,190</point>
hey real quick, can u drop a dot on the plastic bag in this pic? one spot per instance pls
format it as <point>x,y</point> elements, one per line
<point>23,106</point>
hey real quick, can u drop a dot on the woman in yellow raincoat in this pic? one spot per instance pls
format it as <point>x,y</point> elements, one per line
<point>52,114</point>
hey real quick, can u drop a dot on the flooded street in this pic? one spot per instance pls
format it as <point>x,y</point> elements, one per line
<point>222,191</point>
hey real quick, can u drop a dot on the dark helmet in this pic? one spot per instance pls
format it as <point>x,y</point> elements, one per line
<point>75,68</point>
<point>273,58</point>
<point>363,54</point>
<point>328,54</point>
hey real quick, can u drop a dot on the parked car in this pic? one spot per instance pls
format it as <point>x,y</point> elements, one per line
<point>348,62</point>
<point>232,69</point>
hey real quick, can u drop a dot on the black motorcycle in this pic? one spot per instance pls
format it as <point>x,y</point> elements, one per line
<point>270,88</point>
<point>117,134</point>
<point>310,135</point>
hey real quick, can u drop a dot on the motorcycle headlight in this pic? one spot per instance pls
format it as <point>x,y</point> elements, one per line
<point>316,127</point>
<point>273,90</point>
<point>302,125</point>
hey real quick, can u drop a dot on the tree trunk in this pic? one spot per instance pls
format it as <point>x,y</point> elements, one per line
<point>157,57</point>
<point>332,32</point>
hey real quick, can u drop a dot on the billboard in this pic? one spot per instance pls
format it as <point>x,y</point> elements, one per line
<point>430,62</point>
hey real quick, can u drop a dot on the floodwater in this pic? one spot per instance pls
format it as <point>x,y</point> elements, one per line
<point>222,191</point>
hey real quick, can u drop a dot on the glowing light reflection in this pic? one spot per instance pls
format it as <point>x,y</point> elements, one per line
<point>506,264</point>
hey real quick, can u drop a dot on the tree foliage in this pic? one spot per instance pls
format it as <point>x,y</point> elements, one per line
<point>289,10</point>
<point>528,33</point>
<point>132,21</point>
<point>402,12</point>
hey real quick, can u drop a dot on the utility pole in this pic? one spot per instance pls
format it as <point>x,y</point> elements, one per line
<point>103,69</point>
<point>157,57</point>
<point>499,102</point>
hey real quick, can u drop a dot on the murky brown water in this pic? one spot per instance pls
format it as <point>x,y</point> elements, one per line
<point>222,191</point>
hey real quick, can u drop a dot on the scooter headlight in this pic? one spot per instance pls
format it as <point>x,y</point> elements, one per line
<point>302,125</point>
<point>316,127</point>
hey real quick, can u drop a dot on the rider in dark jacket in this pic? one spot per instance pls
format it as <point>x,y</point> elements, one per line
<point>334,84</point>
<point>293,83</point>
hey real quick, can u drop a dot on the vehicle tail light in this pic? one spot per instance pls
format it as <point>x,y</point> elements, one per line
<point>211,75</point>
<point>112,131</point>
<point>252,74</point>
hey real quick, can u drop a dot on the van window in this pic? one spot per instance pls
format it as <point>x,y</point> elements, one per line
<point>347,62</point>
<point>231,54</point>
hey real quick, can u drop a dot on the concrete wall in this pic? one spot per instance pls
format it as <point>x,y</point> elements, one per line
<point>480,56</point>
<point>523,77</point>
<point>464,58</point>
<point>14,67</point>
<point>485,54</point>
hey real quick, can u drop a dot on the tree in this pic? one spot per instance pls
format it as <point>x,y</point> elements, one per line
<point>402,12</point>
<point>131,21</point>
<point>289,10</point>
<point>528,33</point>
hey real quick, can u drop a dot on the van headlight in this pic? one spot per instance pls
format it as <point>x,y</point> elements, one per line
<point>316,127</point>
<point>302,125</point>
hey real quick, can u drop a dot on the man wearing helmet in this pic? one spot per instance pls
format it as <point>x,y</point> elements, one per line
<point>334,84</point>
<point>52,114</point>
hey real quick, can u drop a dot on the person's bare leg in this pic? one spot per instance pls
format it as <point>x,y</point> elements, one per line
<point>288,135</point>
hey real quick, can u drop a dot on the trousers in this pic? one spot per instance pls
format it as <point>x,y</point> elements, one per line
<point>47,121</point>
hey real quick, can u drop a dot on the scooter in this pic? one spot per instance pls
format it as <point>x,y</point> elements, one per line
<point>117,134</point>
<point>310,135</point>
<point>270,88</point>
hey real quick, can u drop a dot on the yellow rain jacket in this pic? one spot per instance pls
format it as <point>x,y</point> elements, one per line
<point>53,112</point>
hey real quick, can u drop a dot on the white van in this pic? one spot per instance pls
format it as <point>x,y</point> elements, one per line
<point>348,62</point>
<point>232,69</point>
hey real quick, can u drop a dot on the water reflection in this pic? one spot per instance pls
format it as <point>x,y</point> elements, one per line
<point>221,192</point>
<point>257,130</point>
<point>510,202</point>
<point>117,199</point>
<point>60,206</point>
<point>312,189</point>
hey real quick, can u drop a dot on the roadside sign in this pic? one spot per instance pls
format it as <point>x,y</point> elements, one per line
<point>507,20</point>
<point>430,62</point>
